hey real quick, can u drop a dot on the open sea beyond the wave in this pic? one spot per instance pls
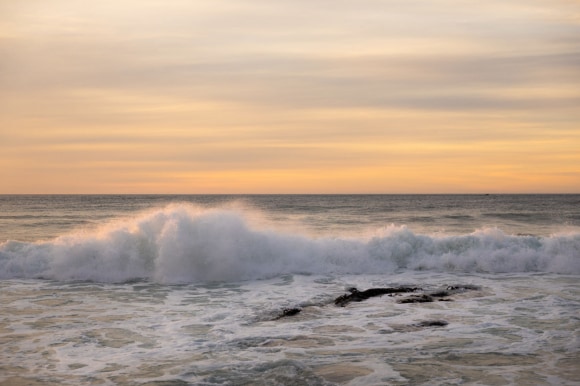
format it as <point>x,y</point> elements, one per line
<point>192,290</point>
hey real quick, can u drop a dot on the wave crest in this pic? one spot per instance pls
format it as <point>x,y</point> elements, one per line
<point>185,244</point>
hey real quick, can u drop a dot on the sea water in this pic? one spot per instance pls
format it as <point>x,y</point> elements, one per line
<point>189,290</point>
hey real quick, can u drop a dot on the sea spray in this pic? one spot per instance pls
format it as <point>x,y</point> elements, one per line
<point>182,243</point>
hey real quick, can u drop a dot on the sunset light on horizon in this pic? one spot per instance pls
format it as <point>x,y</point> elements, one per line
<point>254,96</point>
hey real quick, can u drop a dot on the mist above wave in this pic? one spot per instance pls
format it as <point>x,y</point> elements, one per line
<point>184,244</point>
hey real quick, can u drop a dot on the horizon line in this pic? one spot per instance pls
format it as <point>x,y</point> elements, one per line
<point>289,194</point>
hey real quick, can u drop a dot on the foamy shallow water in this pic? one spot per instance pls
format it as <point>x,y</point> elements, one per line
<point>519,328</point>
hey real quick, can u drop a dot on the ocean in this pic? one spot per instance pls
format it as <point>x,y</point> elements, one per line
<point>259,290</point>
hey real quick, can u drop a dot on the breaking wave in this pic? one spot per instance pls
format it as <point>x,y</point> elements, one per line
<point>185,244</point>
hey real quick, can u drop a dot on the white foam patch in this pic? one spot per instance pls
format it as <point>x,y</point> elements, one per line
<point>186,244</point>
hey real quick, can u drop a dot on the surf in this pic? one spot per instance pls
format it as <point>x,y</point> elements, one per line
<point>184,243</point>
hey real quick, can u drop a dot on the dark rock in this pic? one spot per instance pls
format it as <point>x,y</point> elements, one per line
<point>288,312</point>
<point>358,296</point>
<point>416,299</point>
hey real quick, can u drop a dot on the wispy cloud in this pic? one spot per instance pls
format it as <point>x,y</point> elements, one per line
<point>361,92</point>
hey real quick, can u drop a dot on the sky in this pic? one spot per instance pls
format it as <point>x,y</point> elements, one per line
<point>289,96</point>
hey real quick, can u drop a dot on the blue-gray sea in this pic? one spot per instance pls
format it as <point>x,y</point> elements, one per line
<point>188,290</point>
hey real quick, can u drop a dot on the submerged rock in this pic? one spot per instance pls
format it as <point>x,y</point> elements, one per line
<point>439,294</point>
<point>431,323</point>
<point>463,287</point>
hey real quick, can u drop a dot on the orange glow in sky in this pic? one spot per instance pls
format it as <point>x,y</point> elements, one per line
<point>179,96</point>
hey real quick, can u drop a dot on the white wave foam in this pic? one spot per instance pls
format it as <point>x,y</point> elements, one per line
<point>183,244</point>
